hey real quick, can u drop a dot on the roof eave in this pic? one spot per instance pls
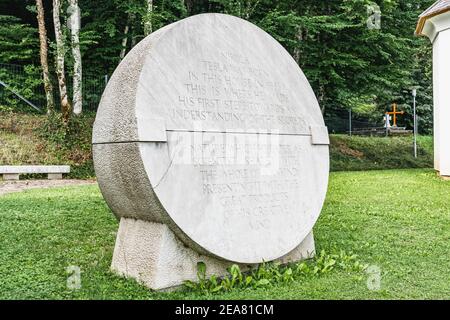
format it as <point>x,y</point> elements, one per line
<point>423,20</point>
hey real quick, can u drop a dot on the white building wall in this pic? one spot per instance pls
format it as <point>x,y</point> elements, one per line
<point>437,28</point>
<point>441,84</point>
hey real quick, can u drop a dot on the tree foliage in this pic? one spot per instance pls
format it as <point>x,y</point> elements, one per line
<point>349,64</point>
<point>18,41</point>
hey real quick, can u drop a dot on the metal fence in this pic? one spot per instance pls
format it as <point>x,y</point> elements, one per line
<point>345,121</point>
<point>26,81</point>
<point>23,87</point>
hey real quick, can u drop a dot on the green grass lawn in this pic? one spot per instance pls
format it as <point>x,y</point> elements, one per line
<point>398,221</point>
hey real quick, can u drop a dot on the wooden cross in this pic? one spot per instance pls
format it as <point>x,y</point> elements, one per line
<point>394,112</point>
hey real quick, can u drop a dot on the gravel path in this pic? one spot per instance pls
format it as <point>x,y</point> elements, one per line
<point>17,186</point>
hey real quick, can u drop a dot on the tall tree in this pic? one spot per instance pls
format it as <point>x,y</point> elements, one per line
<point>44,56</point>
<point>75,26</point>
<point>125,40</point>
<point>350,63</point>
<point>148,25</point>
<point>60,53</point>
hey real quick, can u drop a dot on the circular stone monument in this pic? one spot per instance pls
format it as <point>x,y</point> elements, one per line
<point>208,126</point>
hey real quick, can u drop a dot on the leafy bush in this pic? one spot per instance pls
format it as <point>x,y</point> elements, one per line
<point>71,142</point>
<point>268,274</point>
<point>377,153</point>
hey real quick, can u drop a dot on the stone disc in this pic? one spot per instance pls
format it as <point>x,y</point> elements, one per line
<point>209,126</point>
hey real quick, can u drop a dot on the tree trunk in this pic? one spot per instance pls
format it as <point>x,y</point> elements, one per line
<point>75,25</point>
<point>297,54</point>
<point>124,42</point>
<point>44,57</point>
<point>60,52</point>
<point>321,99</point>
<point>148,27</point>
<point>188,4</point>
<point>134,36</point>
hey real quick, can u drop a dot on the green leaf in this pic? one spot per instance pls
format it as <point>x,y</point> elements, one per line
<point>262,283</point>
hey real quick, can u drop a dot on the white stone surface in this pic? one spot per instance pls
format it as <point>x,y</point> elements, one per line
<point>209,127</point>
<point>34,169</point>
<point>54,176</point>
<point>150,253</point>
<point>11,176</point>
<point>437,29</point>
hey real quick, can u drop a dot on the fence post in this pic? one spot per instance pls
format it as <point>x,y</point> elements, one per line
<point>350,122</point>
<point>414,94</point>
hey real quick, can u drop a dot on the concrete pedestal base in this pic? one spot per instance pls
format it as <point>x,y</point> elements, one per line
<point>151,253</point>
<point>10,176</point>
<point>54,176</point>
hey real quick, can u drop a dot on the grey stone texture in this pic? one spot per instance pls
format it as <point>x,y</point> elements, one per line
<point>150,253</point>
<point>14,172</point>
<point>209,137</point>
<point>11,176</point>
<point>54,176</point>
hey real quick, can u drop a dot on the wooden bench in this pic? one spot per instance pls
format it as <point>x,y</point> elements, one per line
<point>13,172</point>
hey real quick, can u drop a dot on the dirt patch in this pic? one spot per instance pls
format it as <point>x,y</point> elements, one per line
<point>346,150</point>
<point>21,185</point>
